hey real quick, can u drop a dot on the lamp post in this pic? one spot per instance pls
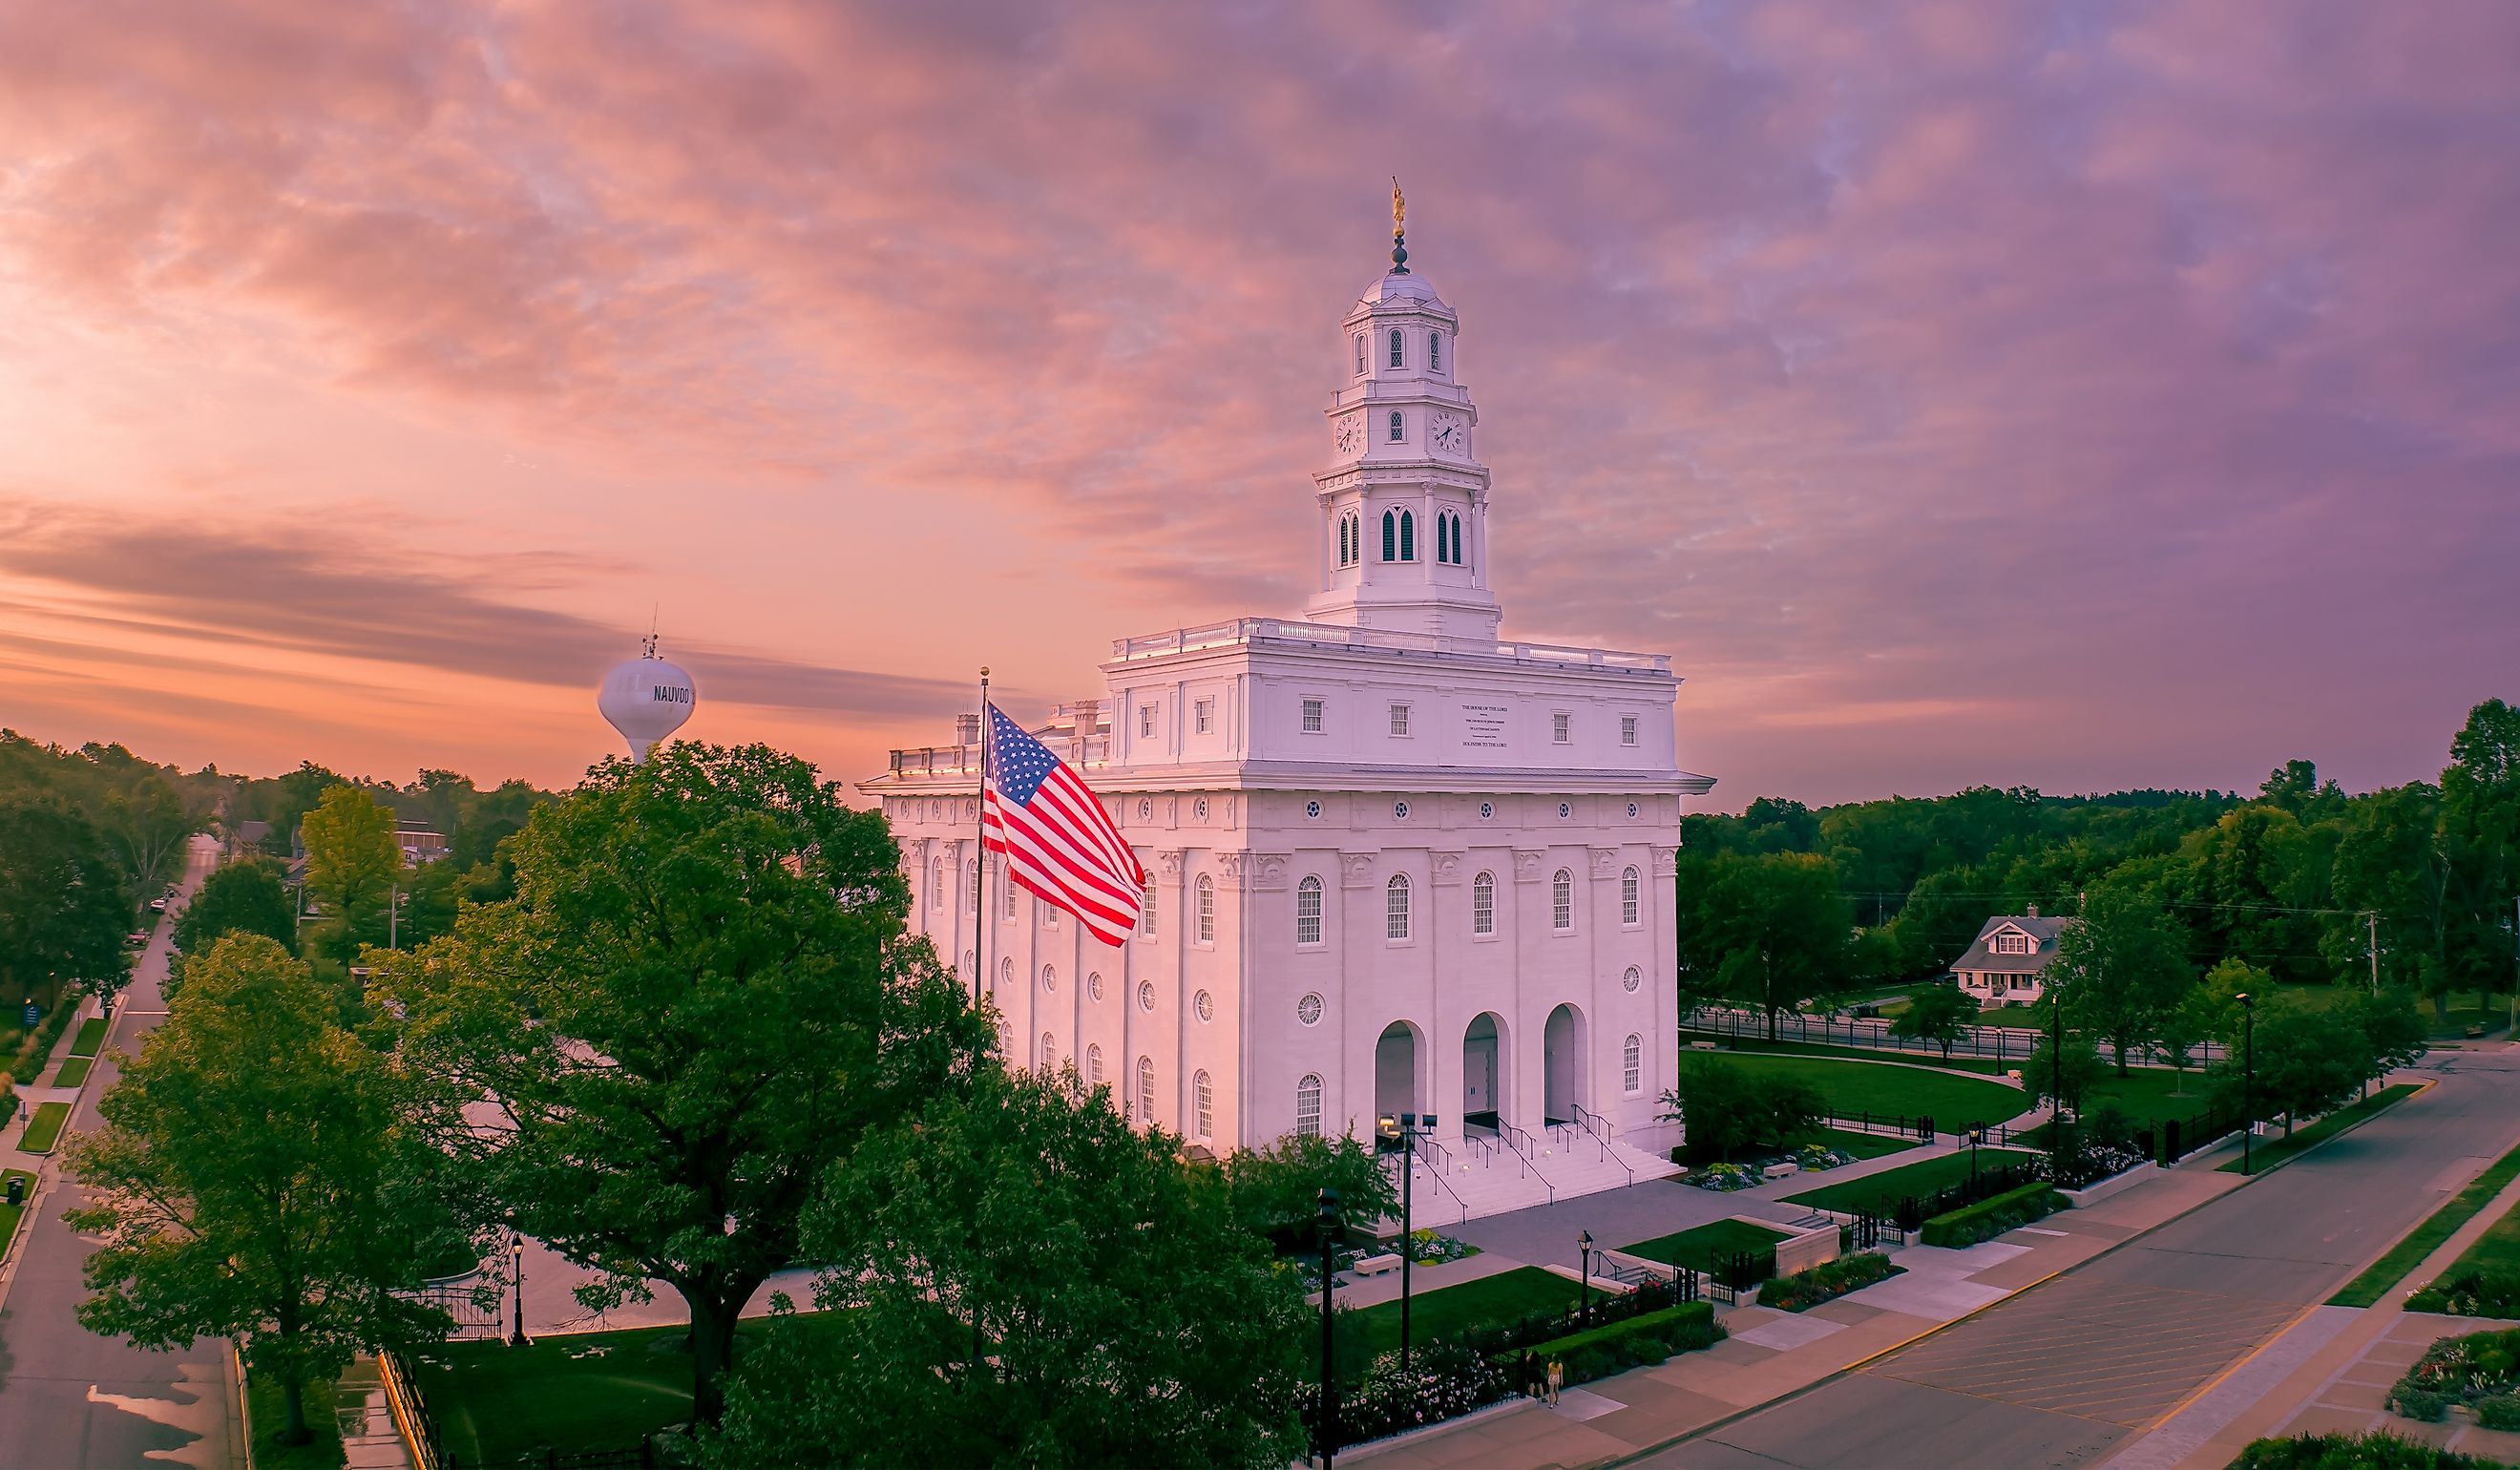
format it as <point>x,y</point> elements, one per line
<point>1406,1129</point>
<point>1977,1135</point>
<point>2248,1076</point>
<point>516,1278</point>
<point>2056,1076</point>
<point>1584,1244</point>
<point>1326,1222</point>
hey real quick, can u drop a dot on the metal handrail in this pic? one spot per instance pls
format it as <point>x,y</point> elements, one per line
<point>1436,1156</point>
<point>1435,1175</point>
<point>1522,1145</point>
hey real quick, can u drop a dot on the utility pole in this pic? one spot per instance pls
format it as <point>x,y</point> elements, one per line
<point>2371,917</point>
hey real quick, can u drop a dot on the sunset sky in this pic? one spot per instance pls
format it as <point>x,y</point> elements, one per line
<point>2079,395</point>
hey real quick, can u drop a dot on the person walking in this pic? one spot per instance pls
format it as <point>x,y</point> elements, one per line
<point>1556,1379</point>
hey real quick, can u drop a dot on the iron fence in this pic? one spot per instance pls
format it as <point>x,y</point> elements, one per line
<point>1998,1043</point>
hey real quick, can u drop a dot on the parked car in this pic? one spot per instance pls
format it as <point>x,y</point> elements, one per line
<point>157,905</point>
<point>138,939</point>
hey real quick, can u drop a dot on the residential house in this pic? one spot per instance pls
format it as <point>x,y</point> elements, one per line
<point>2007,962</point>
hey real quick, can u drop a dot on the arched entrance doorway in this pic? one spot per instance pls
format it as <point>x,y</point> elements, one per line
<point>1483,1072</point>
<point>1562,1051</point>
<point>1395,1069</point>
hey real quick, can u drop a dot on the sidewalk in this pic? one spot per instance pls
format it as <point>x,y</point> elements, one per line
<point>2330,1373</point>
<point>46,1168</point>
<point>1771,1353</point>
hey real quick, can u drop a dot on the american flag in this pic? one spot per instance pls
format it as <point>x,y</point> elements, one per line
<point>1058,843</point>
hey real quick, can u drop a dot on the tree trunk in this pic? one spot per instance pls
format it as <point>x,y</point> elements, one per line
<point>294,1390</point>
<point>713,1320</point>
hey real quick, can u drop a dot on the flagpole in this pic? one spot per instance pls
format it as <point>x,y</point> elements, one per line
<point>980,852</point>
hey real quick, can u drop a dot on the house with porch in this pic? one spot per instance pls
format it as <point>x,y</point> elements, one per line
<point>2007,962</point>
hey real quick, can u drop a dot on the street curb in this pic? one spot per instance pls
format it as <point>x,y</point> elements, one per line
<point>2288,1160</point>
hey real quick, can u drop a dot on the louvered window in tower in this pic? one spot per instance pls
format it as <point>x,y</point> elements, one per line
<point>1408,536</point>
<point>1390,535</point>
<point>1397,359</point>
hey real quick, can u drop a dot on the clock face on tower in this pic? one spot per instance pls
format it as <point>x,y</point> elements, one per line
<point>1351,433</point>
<point>1448,436</point>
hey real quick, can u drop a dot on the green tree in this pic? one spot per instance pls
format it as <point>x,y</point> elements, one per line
<point>1724,1111</point>
<point>700,998</point>
<point>1769,931</point>
<point>148,819</point>
<point>257,1179</point>
<point>1937,1014</point>
<point>2300,1059</point>
<point>2480,832</point>
<point>2083,1067</point>
<point>2252,881</point>
<point>1029,1281</point>
<point>1273,1190</point>
<point>2392,1030</point>
<point>2391,864</point>
<point>64,906</point>
<point>353,863</point>
<point>2120,967</point>
<point>247,897</point>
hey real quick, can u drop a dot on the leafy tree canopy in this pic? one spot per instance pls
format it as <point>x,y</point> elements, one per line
<point>1770,932</point>
<point>1938,1013</point>
<point>1275,1190</point>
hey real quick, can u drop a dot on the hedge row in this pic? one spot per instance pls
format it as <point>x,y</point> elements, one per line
<point>1601,1352</point>
<point>2349,1451</point>
<point>1990,1218</point>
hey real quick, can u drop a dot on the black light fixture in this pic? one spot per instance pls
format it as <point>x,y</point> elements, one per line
<point>2249,1076</point>
<point>516,1281</point>
<point>1584,1244</point>
<point>1325,1221</point>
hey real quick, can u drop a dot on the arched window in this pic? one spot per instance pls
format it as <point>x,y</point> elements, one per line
<point>1632,1063</point>
<point>1360,352</point>
<point>1397,360</point>
<point>1561,901</point>
<point>1203,1097</point>
<point>970,964</point>
<point>1147,1090</point>
<point>975,888</point>
<point>1457,541</point>
<point>1408,536</point>
<point>1483,904</point>
<point>1094,1064</point>
<point>1434,352</point>
<point>1006,974</point>
<point>1307,911</point>
<point>936,884</point>
<point>1343,561</point>
<point>1307,1106</point>
<point>1049,1051</point>
<point>1395,908</point>
<point>1355,539</point>
<point>1049,980</point>
<point>1007,1042</point>
<point>1390,535</point>
<point>1630,897</point>
<point>1146,909</point>
<point>1396,433</point>
<point>1207,909</point>
<point>1011,898</point>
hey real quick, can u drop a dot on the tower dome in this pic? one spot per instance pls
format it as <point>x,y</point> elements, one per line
<point>646,698</point>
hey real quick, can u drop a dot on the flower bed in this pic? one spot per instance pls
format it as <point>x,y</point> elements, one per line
<point>1826,1281</point>
<point>2478,1369</point>
<point>1723,1179</point>
<point>2352,1451</point>
<point>1638,1342</point>
<point>2470,1293</point>
<point>1427,1248</point>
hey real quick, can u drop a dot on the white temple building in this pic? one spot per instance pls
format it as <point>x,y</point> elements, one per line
<point>1399,863</point>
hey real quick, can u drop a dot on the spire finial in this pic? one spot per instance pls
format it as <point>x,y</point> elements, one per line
<point>1399,230</point>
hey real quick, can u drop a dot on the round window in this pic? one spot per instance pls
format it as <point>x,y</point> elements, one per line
<point>1565,809</point>
<point>1094,985</point>
<point>1631,979</point>
<point>1487,809</point>
<point>1632,809</point>
<point>1145,810</point>
<point>1145,995</point>
<point>1199,808</point>
<point>1309,1010</point>
<point>1205,1005</point>
<point>1400,810</point>
<point>1049,980</point>
<point>1312,809</point>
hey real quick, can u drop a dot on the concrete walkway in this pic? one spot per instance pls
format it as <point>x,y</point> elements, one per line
<point>1771,1353</point>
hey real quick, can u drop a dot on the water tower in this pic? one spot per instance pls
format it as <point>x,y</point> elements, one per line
<point>646,699</point>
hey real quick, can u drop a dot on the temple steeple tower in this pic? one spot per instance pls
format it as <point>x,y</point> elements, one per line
<point>1404,501</point>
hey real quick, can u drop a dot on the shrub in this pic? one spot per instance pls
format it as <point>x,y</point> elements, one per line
<point>2419,1403</point>
<point>1724,1176</point>
<point>2498,1412</point>
<point>2459,1370</point>
<point>1826,1281</point>
<point>1445,1380</point>
<point>2352,1451</point>
<point>2470,1293</point>
<point>1601,1352</point>
<point>1990,1218</point>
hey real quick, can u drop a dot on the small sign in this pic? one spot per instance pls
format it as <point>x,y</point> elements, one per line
<point>32,1014</point>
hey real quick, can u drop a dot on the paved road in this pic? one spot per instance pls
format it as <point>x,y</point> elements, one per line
<point>68,1399</point>
<point>2066,1372</point>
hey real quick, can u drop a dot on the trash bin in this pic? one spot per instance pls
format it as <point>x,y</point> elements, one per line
<point>17,1188</point>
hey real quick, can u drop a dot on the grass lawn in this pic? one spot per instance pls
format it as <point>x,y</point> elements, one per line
<point>1449,1311</point>
<point>1857,1145</point>
<point>269,1406</point>
<point>10,1213</point>
<point>2150,1095</point>
<point>1877,1193</point>
<point>2280,1150</point>
<point>44,1130</point>
<point>90,1039</point>
<point>2370,1287</point>
<point>73,1071</point>
<point>1929,1057</point>
<point>1702,1246</point>
<point>1893,1090</point>
<point>2496,1251</point>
